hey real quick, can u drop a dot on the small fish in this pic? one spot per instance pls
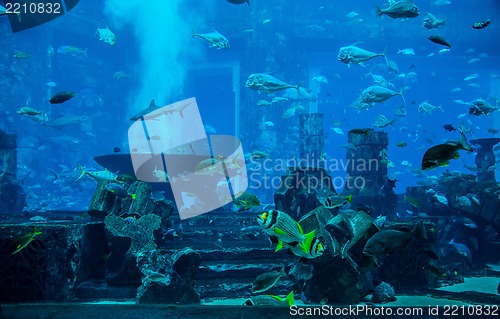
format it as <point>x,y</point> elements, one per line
<point>246,201</point>
<point>439,40</point>
<point>62,97</point>
<point>116,149</point>
<point>266,21</point>
<point>106,35</point>
<point>381,121</point>
<point>267,280</point>
<point>120,75</point>
<point>23,241</point>
<point>471,77</point>
<point>407,51</point>
<point>449,127</point>
<point>119,191</point>
<point>401,144</point>
<point>279,99</point>
<point>335,201</point>
<point>431,22</point>
<point>263,103</point>
<point>338,130</point>
<point>352,14</point>
<point>20,54</point>
<point>481,25</point>
<point>51,84</point>
<point>73,51</point>
<point>380,221</point>
<point>320,79</point>
<point>215,39</point>
<point>270,300</point>
<point>99,176</point>
<point>443,200</point>
<point>474,60</point>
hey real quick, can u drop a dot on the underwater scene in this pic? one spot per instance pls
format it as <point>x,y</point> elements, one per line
<point>249,159</point>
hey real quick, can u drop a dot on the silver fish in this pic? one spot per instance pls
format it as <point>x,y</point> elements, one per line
<point>401,9</point>
<point>378,94</point>
<point>431,22</point>
<point>215,39</point>
<point>267,280</point>
<point>66,120</point>
<point>352,54</point>
<point>267,83</point>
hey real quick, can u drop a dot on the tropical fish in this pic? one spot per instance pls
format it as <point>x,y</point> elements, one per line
<point>401,9</point>
<point>106,35</point>
<point>441,154</point>
<point>118,190</point>
<point>388,241</point>
<point>267,83</point>
<point>61,97</point>
<point>310,248</point>
<point>23,241</point>
<point>28,111</point>
<point>267,280</point>
<point>439,40</point>
<point>259,155</point>
<point>281,226</point>
<point>246,201</point>
<point>335,201</point>
<point>482,24</point>
<point>215,39</point>
<point>100,176</point>
<point>270,300</point>
<point>353,55</point>
<point>291,111</point>
<point>320,79</point>
<point>431,22</point>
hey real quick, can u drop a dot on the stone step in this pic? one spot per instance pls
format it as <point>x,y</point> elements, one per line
<point>237,288</point>
<point>239,268</point>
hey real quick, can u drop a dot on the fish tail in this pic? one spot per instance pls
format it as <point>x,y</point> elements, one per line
<point>193,34</point>
<point>443,21</point>
<point>463,143</point>
<point>85,52</point>
<point>55,175</point>
<point>402,97</point>
<point>248,2</point>
<point>289,299</point>
<point>419,231</point>
<point>283,272</point>
<point>297,87</point>
<point>82,172</point>
<point>379,11</point>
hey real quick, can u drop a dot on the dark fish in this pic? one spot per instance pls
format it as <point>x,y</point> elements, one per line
<point>365,131</point>
<point>482,24</point>
<point>118,191</point>
<point>116,149</point>
<point>126,178</point>
<point>449,127</point>
<point>439,40</point>
<point>270,300</point>
<point>267,280</point>
<point>61,97</point>
<point>387,241</point>
<point>238,1</point>
<point>441,154</point>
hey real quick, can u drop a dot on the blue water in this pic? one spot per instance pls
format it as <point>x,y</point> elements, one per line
<point>154,47</point>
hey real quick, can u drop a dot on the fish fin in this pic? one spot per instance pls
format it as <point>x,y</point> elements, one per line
<point>402,97</point>
<point>279,231</point>
<point>55,175</point>
<point>36,231</point>
<point>299,227</point>
<point>132,196</point>
<point>419,231</point>
<point>273,239</point>
<point>82,172</point>
<point>349,198</point>
<point>248,2</point>
<point>279,246</point>
<point>283,272</point>
<point>289,299</point>
<point>308,241</point>
<point>379,11</point>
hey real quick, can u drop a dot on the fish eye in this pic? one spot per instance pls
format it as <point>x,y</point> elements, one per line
<point>265,215</point>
